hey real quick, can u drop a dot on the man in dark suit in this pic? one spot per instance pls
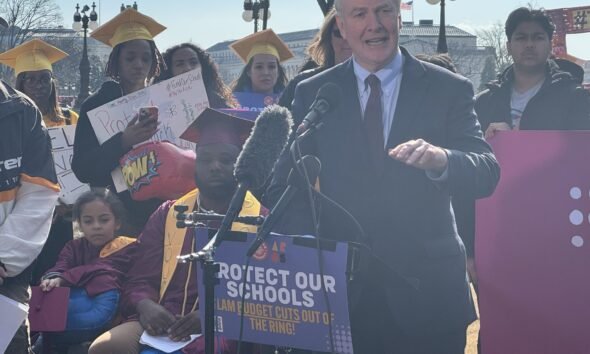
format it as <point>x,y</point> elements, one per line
<point>396,174</point>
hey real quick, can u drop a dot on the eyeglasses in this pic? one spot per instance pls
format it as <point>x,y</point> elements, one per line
<point>336,33</point>
<point>44,80</point>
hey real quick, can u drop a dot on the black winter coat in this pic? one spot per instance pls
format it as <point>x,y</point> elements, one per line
<point>560,104</point>
<point>92,163</point>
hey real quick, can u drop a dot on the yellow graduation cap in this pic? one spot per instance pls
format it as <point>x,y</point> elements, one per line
<point>263,42</point>
<point>33,55</point>
<point>126,26</point>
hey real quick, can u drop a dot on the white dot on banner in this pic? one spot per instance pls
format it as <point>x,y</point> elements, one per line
<point>577,241</point>
<point>576,217</point>
<point>575,193</point>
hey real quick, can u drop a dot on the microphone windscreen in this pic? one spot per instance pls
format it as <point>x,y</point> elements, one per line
<point>264,146</point>
<point>312,168</point>
<point>331,93</point>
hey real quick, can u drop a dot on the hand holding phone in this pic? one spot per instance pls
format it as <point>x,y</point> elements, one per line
<point>147,113</point>
<point>142,127</point>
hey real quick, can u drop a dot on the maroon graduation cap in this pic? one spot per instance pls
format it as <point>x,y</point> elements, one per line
<point>48,311</point>
<point>213,126</point>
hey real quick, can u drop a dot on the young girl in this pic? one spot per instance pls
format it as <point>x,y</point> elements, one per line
<point>263,76</point>
<point>92,266</point>
<point>133,63</point>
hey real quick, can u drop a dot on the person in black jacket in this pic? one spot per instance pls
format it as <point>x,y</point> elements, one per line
<point>133,63</point>
<point>395,170</point>
<point>534,93</point>
<point>28,194</point>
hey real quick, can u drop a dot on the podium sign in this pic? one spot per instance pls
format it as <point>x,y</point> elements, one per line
<point>284,302</point>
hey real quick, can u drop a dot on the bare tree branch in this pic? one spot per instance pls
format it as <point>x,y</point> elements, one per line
<point>24,17</point>
<point>488,74</point>
<point>494,37</point>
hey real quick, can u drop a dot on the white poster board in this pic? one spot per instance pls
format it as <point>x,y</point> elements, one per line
<point>62,148</point>
<point>13,315</point>
<point>180,100</point>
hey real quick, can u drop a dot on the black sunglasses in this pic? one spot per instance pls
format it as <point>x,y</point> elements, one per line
<point>44,80</point>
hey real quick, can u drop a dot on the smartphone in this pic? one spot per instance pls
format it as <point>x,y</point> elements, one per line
<point>146,112</point>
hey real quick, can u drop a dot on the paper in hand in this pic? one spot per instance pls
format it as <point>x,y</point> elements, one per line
<point>164,343</point>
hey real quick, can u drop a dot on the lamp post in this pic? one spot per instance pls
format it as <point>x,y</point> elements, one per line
<point>255,10</point>
<point>83,22</point>
<point>442,31</point>
<point>68,89</point>
<point>72,89</point>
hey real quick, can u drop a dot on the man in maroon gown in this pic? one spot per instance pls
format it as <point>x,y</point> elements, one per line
<point>161,295</point>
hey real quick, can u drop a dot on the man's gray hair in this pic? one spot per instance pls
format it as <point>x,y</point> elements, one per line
<point>338,5</point>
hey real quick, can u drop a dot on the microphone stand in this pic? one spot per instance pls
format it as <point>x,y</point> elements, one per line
<point>308,132</point>
<point>206,257</point>
<point>195,219</point>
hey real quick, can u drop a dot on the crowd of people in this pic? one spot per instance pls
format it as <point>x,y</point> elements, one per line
<point>405,153</point>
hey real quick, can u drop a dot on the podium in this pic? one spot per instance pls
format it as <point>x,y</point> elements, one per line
<point>284,301</point>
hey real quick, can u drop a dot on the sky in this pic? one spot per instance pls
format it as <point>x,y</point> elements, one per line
<point>206,22</point>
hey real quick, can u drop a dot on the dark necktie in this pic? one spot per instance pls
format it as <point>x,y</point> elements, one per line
<point>373,121</point>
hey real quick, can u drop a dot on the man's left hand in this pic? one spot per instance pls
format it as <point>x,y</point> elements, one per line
<point>421,154</point>
<point>184,326</point>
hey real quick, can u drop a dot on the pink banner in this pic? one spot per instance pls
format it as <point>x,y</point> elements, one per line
<point>533,246</point>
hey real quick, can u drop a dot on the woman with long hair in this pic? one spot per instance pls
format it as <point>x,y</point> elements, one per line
<point>262,52</point>
<point>327,49</point>
<point>133,64</point>
<point>188,56</point>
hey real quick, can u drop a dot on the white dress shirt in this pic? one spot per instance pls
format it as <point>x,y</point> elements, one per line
<point>391,79</point>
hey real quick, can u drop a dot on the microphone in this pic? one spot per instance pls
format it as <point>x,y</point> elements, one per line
<point>308,164</point>
<point>255,162</point>
<point>327,98</point>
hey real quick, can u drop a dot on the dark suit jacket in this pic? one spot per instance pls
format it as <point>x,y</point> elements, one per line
<point>407,216</point>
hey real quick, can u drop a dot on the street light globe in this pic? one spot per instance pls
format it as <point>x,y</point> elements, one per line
<point>433,2</point>
<point>93,25</point>
<point>77,26</point>
<point>247,15</point>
